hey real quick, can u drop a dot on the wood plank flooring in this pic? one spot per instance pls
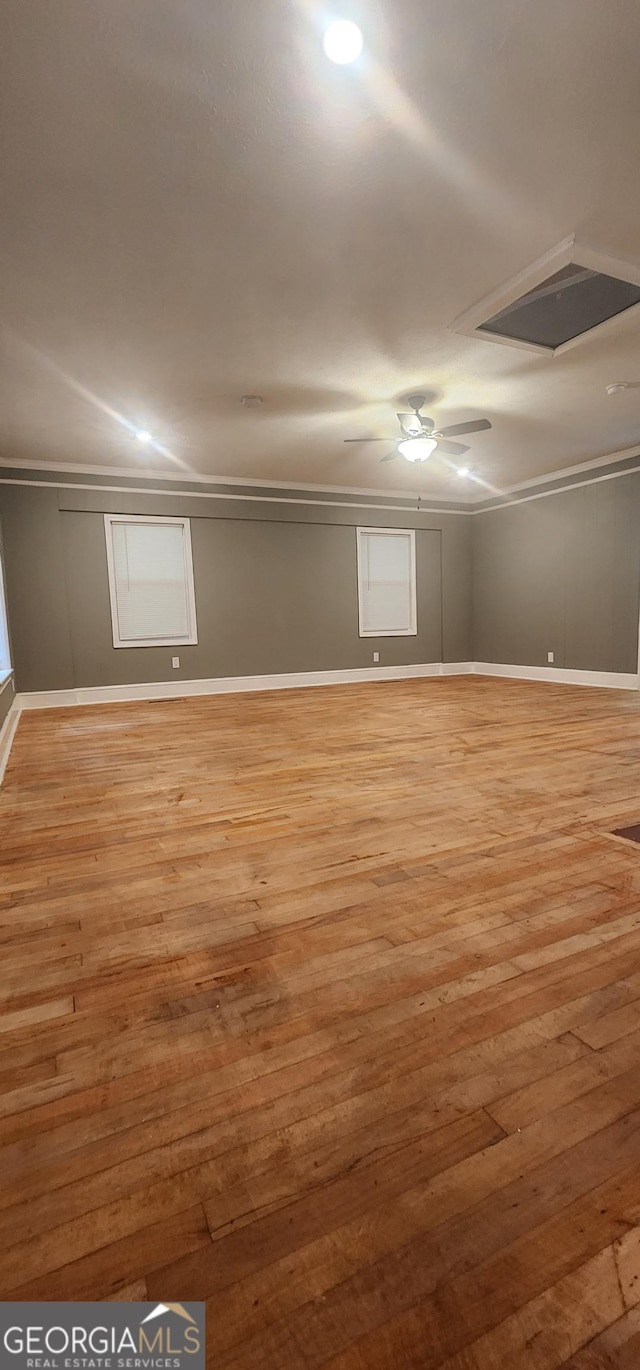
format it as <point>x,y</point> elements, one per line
<point>324,1007</point>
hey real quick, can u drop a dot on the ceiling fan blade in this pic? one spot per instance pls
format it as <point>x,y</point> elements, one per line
<point>453,449</point>
<point>409,423</point>
<point>367,440</point>
<point>474,426</point>
<point>390,456</point>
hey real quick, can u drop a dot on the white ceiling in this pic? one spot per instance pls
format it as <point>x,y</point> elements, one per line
<point>198,205</point>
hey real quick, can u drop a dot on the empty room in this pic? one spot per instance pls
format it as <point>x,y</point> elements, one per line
<point>320,685</point>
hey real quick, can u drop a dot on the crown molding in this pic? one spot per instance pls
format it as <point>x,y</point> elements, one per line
<point>193,478</point>
<point>558,490</point>
<point>472,504</point>
<point>624,454</point>
<point>441,511</point>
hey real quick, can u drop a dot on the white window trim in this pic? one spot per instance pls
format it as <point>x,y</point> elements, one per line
<point>6,668</point>
<point>184,523</point>
<point>412,631</point>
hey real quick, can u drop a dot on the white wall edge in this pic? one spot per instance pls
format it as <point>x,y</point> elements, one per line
<point>7,734</point>
<point>180,689</point>
<point>611,680</point>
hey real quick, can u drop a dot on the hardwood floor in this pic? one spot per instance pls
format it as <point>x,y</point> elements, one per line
<point>324,1006</point>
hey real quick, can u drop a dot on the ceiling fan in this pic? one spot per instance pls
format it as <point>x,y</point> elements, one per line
<point>420,437</point>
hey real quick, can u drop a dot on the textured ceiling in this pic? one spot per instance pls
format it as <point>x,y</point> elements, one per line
<point>198,205</point>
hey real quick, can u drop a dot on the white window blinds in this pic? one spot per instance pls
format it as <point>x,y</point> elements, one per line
<point>386,582</point>
<point>150,581</point>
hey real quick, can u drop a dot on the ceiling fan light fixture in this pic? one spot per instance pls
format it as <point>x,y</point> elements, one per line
<point>417,449</point>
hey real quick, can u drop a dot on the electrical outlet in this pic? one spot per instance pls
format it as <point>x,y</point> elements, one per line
<point>549,656</point>
<point>376,656</point>
<point>175,662</point>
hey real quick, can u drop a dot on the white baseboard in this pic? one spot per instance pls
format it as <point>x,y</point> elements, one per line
<point>611,680</point>
<point>7,734</point>
<point>179,689</point>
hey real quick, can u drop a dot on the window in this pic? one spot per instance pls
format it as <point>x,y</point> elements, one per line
<point>5,654</point>
<point>387,582</point>
<point>150,581</point>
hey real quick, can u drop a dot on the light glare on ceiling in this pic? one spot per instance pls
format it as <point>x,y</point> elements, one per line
<point>463,470</point>
<point>343,42</point>
<point>143,436</point>
<point>417,449</point>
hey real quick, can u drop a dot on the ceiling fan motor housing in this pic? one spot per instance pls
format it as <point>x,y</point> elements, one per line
<point>416,424</point>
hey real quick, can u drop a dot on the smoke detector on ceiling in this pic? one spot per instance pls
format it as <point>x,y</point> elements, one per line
<point>618,387</point>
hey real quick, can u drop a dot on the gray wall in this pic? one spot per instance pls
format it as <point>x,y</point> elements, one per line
<point>35,588</point>
<point>275,589</point>
<point>560,574</point>
<point>276,585</point>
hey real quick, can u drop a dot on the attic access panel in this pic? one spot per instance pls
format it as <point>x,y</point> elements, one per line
<point>566,305</point>
<point>556,302</point>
